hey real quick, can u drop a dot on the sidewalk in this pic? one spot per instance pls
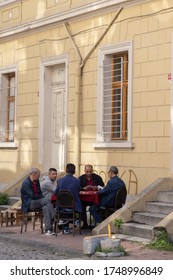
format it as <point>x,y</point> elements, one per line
<point>73,246</point>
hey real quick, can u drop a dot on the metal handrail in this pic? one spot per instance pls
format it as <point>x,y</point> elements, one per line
<point>133,181</point>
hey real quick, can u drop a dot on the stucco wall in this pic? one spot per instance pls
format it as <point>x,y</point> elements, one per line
<point>149,26</point>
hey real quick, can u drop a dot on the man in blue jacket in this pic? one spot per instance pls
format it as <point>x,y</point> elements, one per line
<point>107,194</point>
<point>32,198</point>
<point>72,184</point>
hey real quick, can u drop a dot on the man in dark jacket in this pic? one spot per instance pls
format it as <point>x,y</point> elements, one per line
<point>89,181</point>
<point>72,184</point>
<point>107,194</point>
<point>32,198</point>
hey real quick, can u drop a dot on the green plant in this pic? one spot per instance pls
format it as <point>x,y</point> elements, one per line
<point>121,249</point>
<point>98,248</point>
<point>4,199</point>
<point>161,242</point>
<point>118,223</point>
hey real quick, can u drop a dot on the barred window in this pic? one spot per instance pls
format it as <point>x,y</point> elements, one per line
<point>115,85</point>
<point>7,107</point>
<point>114,97</point>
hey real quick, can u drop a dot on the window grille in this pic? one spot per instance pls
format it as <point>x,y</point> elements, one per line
<point>115,97</point>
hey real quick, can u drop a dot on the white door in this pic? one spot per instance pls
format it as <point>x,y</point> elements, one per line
<point>58,128</point>
<point>54,116</point>
<point>58,117</point>
<point>53,113</point>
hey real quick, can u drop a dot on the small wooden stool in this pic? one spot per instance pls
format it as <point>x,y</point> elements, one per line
<point>18,215</point>
<point>7,216</point>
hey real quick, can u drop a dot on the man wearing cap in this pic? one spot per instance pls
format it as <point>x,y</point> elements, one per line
<point>107,194</point>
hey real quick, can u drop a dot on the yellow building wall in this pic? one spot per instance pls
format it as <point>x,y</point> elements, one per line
<point>149,26</point>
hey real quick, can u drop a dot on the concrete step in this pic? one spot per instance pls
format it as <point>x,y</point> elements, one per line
<point>132,238</point>
<point>147,218</point>
<point>141,227</point>
<point>165,196</point>
<point>159,207</point>
<point>4,207</point>
<point>13,199</point>
<point>138,230</point>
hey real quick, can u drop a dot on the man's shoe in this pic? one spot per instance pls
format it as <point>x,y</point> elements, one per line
<point>76,223</point>
<point>66,230</point>
<point>85,226</point>
<point>49,232</point>
<point>91,227</point>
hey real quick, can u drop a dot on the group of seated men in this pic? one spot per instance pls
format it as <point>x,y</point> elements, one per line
<point>36,194</point>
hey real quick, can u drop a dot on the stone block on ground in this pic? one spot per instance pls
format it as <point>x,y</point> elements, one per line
<point>109,255</point>
<point>90,243</point>
<point>109,244</point>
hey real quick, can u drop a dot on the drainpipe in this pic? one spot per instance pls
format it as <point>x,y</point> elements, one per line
<point>77,132</point>
<point>78,81</point>
<point>101,37</point>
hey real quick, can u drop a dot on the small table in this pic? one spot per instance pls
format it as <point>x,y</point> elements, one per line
<point>92,197</point>
<point>89,196</point>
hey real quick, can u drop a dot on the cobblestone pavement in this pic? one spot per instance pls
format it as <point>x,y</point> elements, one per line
<point>9,251</point>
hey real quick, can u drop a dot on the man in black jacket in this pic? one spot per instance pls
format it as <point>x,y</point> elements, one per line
<point>88,181</point>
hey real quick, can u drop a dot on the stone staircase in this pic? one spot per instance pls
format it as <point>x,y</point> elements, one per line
<point>142,223</point>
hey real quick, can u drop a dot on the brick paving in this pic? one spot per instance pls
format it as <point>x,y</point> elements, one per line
<point>73,246</point>
<point>138,251</point>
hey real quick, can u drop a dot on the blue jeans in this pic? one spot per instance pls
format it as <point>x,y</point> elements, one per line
<point>94,211</point>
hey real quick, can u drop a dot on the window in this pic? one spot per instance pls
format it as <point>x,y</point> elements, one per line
<point>114,100</point>
<point>7,107</point>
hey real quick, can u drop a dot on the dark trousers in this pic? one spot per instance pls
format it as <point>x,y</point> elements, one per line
<point>94,211</point>
<point>84,215</point>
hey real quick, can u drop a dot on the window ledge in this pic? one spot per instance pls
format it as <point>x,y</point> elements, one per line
<point>8,145</point>
<point>126,145</point>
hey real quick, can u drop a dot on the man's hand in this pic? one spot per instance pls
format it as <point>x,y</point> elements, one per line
<point>99,187</point>
<point>89,187</point>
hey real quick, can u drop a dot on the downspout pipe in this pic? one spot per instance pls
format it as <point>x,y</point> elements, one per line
<point>78,82</point>
<point>101,37</point>
<point>77,132</point>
